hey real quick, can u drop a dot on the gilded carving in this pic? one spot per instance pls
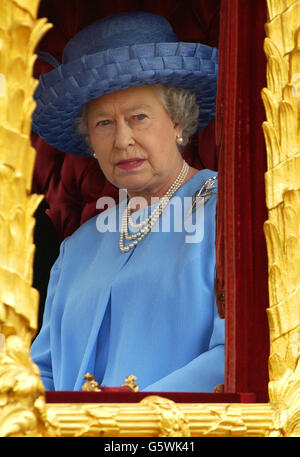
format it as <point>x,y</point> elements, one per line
<point>90,384</point>
<point>23,407</point>
<point>130,382</point>
<point>172,421</point>
<point>282,104</point>
<point>160,417</point>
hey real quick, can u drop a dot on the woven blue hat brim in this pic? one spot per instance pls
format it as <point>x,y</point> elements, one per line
<point>62,93</point>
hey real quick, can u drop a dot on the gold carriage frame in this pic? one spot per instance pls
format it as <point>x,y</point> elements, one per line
<point>23,407</point>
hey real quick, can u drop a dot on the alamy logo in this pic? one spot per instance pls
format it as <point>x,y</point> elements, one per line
<point>177,216</point>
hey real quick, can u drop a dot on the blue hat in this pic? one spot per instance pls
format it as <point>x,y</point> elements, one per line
<point>118,52</point>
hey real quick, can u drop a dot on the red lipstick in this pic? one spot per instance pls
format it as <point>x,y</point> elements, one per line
<point>130,164</point>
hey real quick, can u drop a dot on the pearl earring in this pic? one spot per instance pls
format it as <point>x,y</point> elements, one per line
<point>179,140</point>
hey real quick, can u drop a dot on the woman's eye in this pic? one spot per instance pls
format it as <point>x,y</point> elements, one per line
<point>140,117</point>
<point>103,123</point>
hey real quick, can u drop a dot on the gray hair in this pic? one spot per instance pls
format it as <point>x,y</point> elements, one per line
<point>182,108</point>
<point>180,104</point>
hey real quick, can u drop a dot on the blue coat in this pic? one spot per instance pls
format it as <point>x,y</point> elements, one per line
<point>150,312</point>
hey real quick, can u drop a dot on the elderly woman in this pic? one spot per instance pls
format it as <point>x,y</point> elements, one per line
<point>132,291</point>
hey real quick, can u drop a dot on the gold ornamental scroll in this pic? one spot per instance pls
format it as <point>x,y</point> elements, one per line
<point>23,409</point>
<point>22,403</point>
<point>281,98</point>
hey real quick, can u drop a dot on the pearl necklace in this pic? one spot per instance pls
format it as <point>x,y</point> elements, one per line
<point>147,224</point>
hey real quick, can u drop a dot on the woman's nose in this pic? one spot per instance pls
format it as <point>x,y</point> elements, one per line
<point>123,135</point>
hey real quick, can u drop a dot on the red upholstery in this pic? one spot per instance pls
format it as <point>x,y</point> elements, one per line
<point>115,396</point>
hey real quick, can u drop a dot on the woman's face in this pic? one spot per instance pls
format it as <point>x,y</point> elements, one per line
<point>134,140</point>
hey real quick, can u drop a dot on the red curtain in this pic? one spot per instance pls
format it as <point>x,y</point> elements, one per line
<point>72,185</point>
<point>241,251</point>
